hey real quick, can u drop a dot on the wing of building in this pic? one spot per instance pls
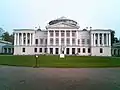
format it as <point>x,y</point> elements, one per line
<point>65,34</point>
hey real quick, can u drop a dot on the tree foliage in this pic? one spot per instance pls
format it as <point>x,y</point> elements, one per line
<point>113,38</point>
<point>8,37</point>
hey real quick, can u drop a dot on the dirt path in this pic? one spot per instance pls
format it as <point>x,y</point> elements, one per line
<point>26,78</point>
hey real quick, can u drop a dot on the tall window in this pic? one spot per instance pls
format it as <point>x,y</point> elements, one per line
<point>23,49</point>
<point>100,38</point>
<point>83,50</point>
<point>73,40</point>
<point>35,49</point>
<point>88,41</point>
<point>68,41</point>
<point>62,33</point>
<point>45,41</point>
<point>24,38</point>
<point>51,41</point>
<point>28,38</point>
<point>40,49</point>
<point>41,41</point>
<point>89,50</point>
<point>62,41</point>
<point>104,38</point>
<point>83,41</point>
<point>101,50</point>
<point>68,33</point>
<point>73,33</point>
<point>45,50</point>
<point>36,41</point>
<point>51,33</point>
<point>57,41</point>
<point>56,33</point>
<point>78,41</point>
<point>78,50</point>
<point>96,38</point>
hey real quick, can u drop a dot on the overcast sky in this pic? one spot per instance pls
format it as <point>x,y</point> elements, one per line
<point>101,14</point>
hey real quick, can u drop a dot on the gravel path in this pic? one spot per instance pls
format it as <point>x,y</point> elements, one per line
<point>26,78</point>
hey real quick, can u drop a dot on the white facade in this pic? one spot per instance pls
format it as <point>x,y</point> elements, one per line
<point>64,34</point>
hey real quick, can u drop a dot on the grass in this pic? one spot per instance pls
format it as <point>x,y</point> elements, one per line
<point>67,62</point>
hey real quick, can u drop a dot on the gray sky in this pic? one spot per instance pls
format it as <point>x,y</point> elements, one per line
<point>101,14</point>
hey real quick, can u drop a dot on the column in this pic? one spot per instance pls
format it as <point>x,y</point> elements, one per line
<point>26,38</point>
<point>98,37</point>
<point>65,39</point>
<point>106,39</point>
<point>76,37</point>
<point>109,39</point>
<point>92,39</point>
<point>33,39</point>
<point>22,38</point>
<point>60,38</point>
<point>15,38</point>
<point>48,38</point>
<point>18,40</point>
<point>102,39</point>
<point>30,38</point>
<point>70,38</point>
<point>54,39</point>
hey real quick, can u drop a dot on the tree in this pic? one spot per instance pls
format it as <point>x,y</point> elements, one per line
<point>7,37</point>
<point>112,37</point>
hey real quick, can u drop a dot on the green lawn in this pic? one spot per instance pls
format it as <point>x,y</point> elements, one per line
<point>55,61</point>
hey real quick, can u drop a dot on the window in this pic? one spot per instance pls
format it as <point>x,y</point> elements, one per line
<point>56,50</point>
<point>51,41</point>
<point>57,41</point>
<point>88,41</point>
<point>62,33</point>
<point>104,38</point>
<point>73,50</point>
<point>96,38</point>
<point>51,50</point>
<point>89,50</point>
<point>45,50</point>
<point>23,49</point>
<point>78,41</point>
<point>83,50</point>
<point>101,50</point>
<point>78,50</point>
<point>36,41</point>
<point>41,41</point>
<point>35,49</point>
<point>68,41</point>
<point>24,38</point>
<point>62,41</point>
<point>73,33</point>
<point>51,33</point>
<point>40,50</point>
<point>73,40</point>
<point>100,38</point>
<point>68,33</point>
<point>45,41</point>
<point>83,41</point>
<point>67,50</point>
<point>56,33</point>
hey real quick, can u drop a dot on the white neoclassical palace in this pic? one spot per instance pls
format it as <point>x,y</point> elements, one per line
<point>63,34</point>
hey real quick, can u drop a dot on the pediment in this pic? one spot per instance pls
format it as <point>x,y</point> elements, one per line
<point>63,26</point>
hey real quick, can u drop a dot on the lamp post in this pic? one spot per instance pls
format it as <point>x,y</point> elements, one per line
<point>36,59</point>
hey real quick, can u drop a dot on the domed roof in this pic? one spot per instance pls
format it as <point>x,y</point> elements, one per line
<point>64,20</point>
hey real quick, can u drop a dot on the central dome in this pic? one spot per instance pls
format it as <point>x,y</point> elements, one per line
<point>63,20</point>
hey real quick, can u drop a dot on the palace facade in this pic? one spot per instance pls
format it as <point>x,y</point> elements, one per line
<point>63,34</point>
